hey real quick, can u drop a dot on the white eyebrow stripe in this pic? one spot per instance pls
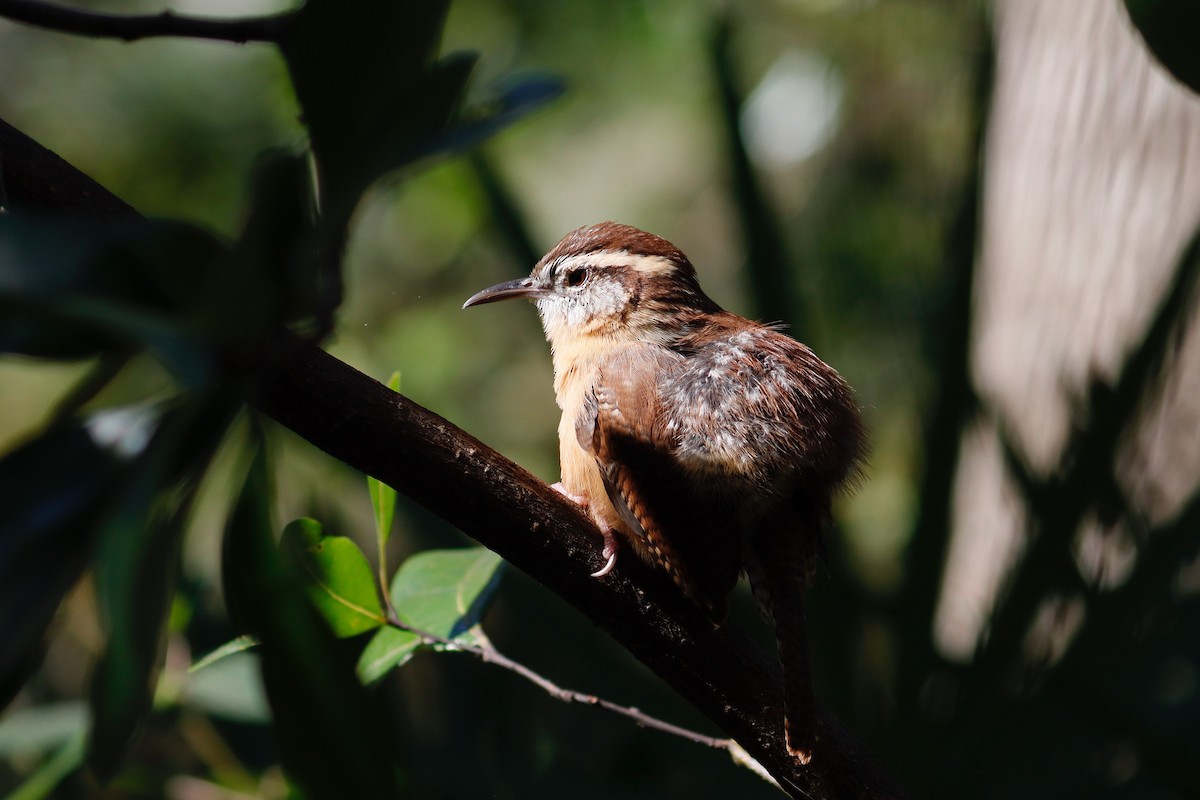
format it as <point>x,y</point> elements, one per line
<point>647,265</point>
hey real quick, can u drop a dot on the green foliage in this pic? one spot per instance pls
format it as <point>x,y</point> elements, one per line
<point>37,730</point>
<point>58,729</point>
<point>271,277</point>
<point>43,781</point>
<point>371,92</point>
<point>57,484</point>
<point>234,646</point>
<point>72,288</point>
<point>332,739</point>
<point>440,592</point>
<point>336,576</point>
<point>323,719</point>
<point>228,684</point>
<point>136,567</point>
<point>375,98</point>
<point>383,506</point>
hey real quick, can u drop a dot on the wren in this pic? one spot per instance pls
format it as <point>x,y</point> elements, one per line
<point>708,444</point>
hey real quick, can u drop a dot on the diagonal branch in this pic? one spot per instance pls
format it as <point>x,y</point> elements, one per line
<point>381,433</point>
<point>363,423</point>
<point>130,28</point>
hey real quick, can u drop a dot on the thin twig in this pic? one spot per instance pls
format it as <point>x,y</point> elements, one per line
<point>131,27</point>
<point>487,652</point>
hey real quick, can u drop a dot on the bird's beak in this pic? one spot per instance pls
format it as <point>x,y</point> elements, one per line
<point>521,287</point>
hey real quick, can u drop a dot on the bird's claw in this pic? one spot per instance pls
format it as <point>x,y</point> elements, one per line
<point>610,554</point>
<point>610,541</point>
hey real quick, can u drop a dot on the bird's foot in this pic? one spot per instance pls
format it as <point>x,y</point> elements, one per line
<point>609,552</point>
<point>578,499</point>
<point>610,539</point>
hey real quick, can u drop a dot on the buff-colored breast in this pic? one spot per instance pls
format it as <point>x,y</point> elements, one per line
<point>574,374</point>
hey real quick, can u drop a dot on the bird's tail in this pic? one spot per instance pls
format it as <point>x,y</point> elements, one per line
<point>787,611</point>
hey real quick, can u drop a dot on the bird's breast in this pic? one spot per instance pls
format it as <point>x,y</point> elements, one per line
<point>579,472</point>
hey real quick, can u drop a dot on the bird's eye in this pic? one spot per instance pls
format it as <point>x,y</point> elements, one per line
<point>576,276</point>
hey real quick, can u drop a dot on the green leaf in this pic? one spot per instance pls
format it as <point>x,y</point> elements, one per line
<point>55,487</point>
<point>336,576</point>
<point>71,288</point>
<point>383,505</point>
<point>41,728</point>
<point>70,487</point>
<point>383,497</point>
<point>388,649</point>
<point>136,568</point>
<point>53,771</point>
<point>331,735</point>
<point>232,647</point>
<point>367,86</point>
<point>375,99</point>
<point>61,727</point>
<point>442,592</point>
<point>446,591</point>
<point>124,678</point>
<point>275,264</point>
<point>1171,28</point>
<point>230,688</point>
<point>515,98</point>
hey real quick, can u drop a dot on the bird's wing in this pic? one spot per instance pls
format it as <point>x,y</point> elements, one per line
<point>785,419</point>
<point>688,531</point>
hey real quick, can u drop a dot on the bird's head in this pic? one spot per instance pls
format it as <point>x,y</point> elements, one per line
<point>610,281</point>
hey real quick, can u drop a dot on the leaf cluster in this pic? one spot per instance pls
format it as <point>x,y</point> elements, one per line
<point>112,488</point>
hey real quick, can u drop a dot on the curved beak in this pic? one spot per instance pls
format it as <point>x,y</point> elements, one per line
<point>521,287</point>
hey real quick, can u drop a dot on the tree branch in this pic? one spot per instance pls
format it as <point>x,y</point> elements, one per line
<point>379,432</point>
<point>361,422</point>
<point>130,28</point>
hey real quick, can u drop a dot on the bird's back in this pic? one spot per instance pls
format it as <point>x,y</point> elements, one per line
<point>751,404</point>
<point>706,443</point>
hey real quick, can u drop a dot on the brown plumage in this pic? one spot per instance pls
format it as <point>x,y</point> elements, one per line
<point>709,444</point>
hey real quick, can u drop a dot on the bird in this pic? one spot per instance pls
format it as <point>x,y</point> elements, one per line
<point>708,444</point>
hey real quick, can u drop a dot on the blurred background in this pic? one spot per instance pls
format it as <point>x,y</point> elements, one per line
<point>819,161</point>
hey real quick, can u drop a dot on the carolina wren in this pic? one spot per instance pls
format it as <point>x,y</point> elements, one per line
<point>708,443</point>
